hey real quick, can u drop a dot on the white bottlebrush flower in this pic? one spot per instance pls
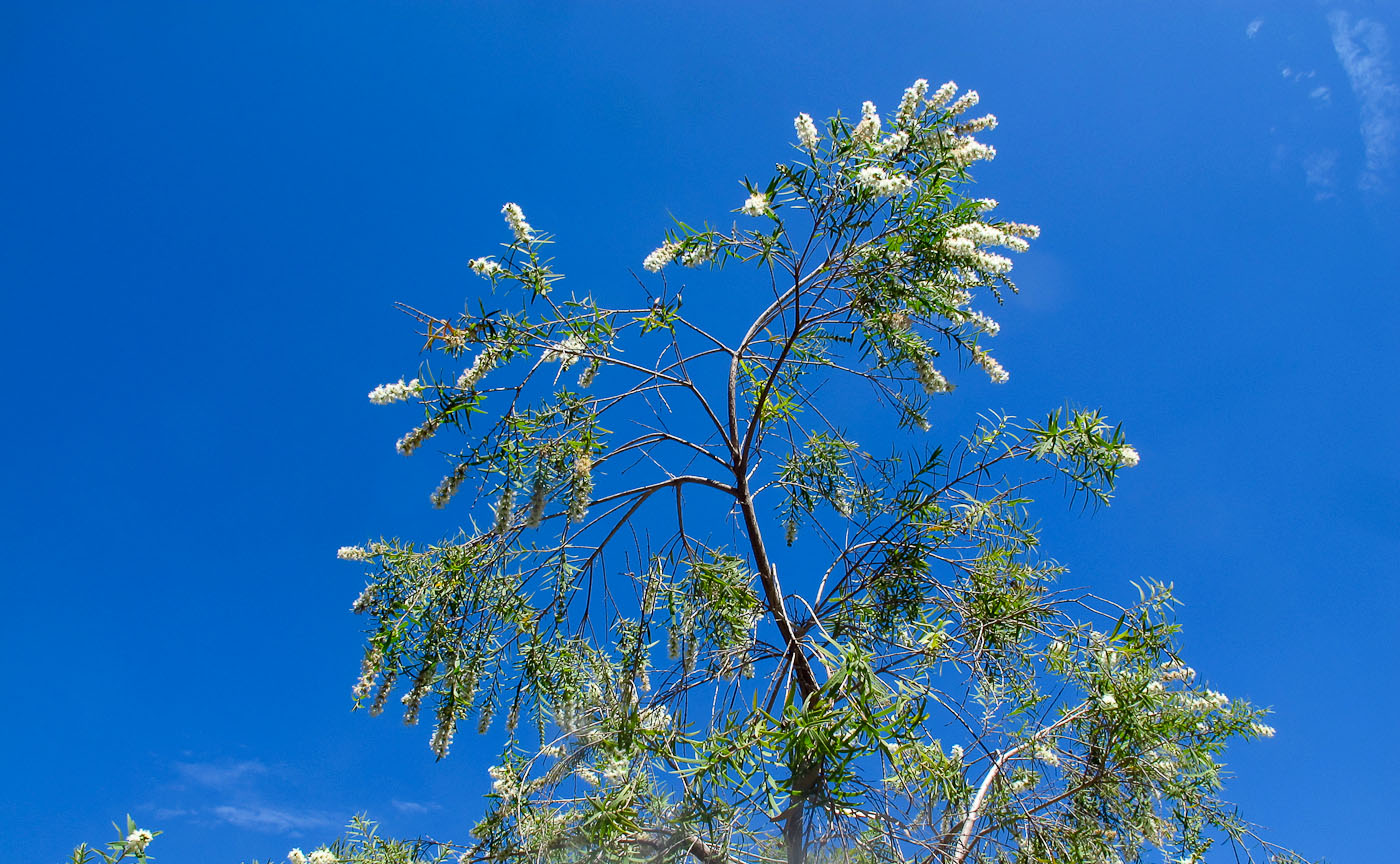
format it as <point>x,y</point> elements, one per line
<point>932,380</point>
<point>1128,457</point>
<point>878,181</point>
<point>484,362</point>
<point>441,740</point>
<point>966,150</point>
<point>806,132</point>
<point>991,263</point>
<point>515,218</point>
<point>484,266</point>
<point>983,323</point>
<point>895,143</point>
<point>322,856</point>
<point>661,256</point>
<point>296,856</point>
<point>990,365</point>
<point>956,754</point>
<point>566,352</point>
<point>136,841</point>
<point>756,205</point>
<point>697,254</point>
<point>1048,756</point>
<point>396,391</point>
<point>978,124</point>
<point>982,205</point>
<point>413,440</point>
<point>366,597</point>
<point>656,719</point>
<point>965,101</point>
<point>1263,730</point>
<point>910,104</point>
<point>868,129</point>
<point>942,95</point>
<point>1108,701</point>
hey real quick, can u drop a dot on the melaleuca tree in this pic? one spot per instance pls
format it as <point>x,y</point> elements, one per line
<point>632,479</point>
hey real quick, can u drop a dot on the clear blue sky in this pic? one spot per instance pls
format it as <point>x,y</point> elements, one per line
<point>207,210</point>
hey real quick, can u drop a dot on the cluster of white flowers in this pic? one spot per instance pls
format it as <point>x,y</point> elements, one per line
<point>942,95</point>
<point>449,485</point>
<point>965,101</point>
<point>806,131</point>
<point>956,754</point>
<point>296,856</point>
<point>322,856</point>
<point>505,782</point>
<point>441,741</point>
<point>1108,701</point>
<point>567,352</point>
<point>1209,700</point>
<point>756,205</point>
<point>413,440</point>
<point>656,718</point>
<point>662,255</point>
<point>136,841</point>
<point>983,323</point>
<point>1175,670</point>
<point>979,124</point>
<point>931,379</point>
<point>515,218</point>
<point>369,672</point>
<point>989,262</point>
<point>1263,730</point>
<point>1047,755</point>
<point>484,266</point>
<point>910,104</point>
<point>396,391</point>
<point>983,234</point>
<point>868,129</point>
<point>894,144</point>
<point>697,254</point>
<point>1128,457</point>
<point>484,362</point>
<point>983,205</point>
<point>352,553</point>
<point>1156,688</point>
<point>875,179</point>
<point>366,597</point>
<point>966,150</point>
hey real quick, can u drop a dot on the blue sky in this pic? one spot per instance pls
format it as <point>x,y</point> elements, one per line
<point>208,210</point>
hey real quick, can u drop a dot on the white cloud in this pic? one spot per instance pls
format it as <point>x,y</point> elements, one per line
<point>1320,171</point>
<point>271,819</point>
<point>1253,29</point>
<point>1363,50</point>
<point>413,806</point>
<point>219,775</point>
<point>1322,94</point>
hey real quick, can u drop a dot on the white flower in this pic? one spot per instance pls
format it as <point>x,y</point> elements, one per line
<point>1047,755</point>
<point>956,754</point>
<point>1263,730</point>
<point>413,440</point>
<point>875,179</point>
<point>697,254</point>
<point>987,121</point>
<point>484,362</point>
<point>352,553</point>
<point>965,151</point>
<point>806,131</point>
<point>982,205</point>
<point>965,101</point>
<point>656,719</point>
<point>983,323</point>
<point>136,841</point>
<point>990,365</point>
<point>396,391</point>
<point>868,129</point>
<point>942,95</point>
<point>1108,701</point>
<point>1128,457</point>
<point>322,856</point>
<point>756,205</point>
<point>296,856</point>
<point>566,352</point>
<point>484,266</point>
<point>1020,229</point>
<point>661,256</point>
<point>894,144</point>
<point>1156,688</point>
<point>931,379</point>
<point>515,218</point>
<point>909,105</point>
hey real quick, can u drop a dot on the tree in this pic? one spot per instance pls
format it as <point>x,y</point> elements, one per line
<point>917,685</point>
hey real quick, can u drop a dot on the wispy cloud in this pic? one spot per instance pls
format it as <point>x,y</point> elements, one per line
<point>413,806</point>
<point>272,819</point>
<point>219,775</point>
<point>1321,95</point>
<point>1364,49</point>
<point>1252,29</point>
<point>1320,169</point>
